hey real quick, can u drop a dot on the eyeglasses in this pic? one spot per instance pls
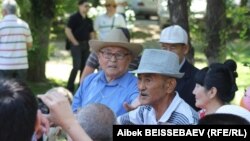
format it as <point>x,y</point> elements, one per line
<point>109,55</point>
<point>110,5</point>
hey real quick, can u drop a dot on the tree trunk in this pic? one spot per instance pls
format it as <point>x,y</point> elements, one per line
<point>39,17</point>
<point>243,3</point>
<point>178,10</point>
<point>215,24</point>
<point>39,55</point>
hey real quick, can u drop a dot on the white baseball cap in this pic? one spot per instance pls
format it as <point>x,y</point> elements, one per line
<point>174,34</point>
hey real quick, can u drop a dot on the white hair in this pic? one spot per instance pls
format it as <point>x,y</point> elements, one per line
<point>9,6</point>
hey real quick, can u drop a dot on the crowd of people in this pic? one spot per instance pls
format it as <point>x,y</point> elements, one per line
<point>133,85</point>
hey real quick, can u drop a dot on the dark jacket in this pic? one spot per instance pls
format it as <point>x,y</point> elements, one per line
<point>186,84</point>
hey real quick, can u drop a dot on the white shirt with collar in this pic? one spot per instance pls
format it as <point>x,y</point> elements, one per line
<point>178,113</point>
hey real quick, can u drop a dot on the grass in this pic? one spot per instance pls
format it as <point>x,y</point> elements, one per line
<point>42,87</point>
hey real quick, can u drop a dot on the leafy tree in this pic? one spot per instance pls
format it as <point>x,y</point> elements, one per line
<point>40,14</point>
<point>215,25</point>
<point>178,10</point>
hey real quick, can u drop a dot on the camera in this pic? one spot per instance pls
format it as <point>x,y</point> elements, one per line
<point>44,108</point>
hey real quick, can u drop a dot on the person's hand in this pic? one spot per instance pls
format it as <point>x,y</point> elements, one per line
<point>62,115</point>
<point>136,103</point>
<point>43,126</point>
<point>60,110</point>
<point>76,44</point>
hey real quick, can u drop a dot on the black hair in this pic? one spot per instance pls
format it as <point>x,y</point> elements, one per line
<point>223,77</point>
<point>200,76</point>
<point>80,2</point>
<point>18,109</point>
<point>222,119</point>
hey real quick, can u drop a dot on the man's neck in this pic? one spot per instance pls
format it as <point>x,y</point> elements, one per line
<point>84,15</point>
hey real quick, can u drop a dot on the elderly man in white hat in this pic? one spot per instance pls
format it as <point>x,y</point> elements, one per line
<point>174,38</point>
<point>113,85</point>
<point>160,103</point>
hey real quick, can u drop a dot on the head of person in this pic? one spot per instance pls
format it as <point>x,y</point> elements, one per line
<point>222,119</point>
<point>110,6</point>
<point>83,6</point>
<point>157,74</point>
<point>18,111</point>
<point>115,53</point>
<point>174,38</point>
<point>9,7</point>
<point>216,84</point>
<point>97,120</point>
<point>61,90</point>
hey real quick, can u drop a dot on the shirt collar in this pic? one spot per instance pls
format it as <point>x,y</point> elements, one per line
<point>167,114</point>
<point>119,81</point>
<point>182,63</point>
<point>10,16</point>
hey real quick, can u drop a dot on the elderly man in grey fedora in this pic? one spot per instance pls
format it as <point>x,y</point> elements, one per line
<point>113,85</point>
<point>160,103</point>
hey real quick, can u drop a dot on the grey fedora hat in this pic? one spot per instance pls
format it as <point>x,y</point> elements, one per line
<point>160,62</point>
<point>115,38</point>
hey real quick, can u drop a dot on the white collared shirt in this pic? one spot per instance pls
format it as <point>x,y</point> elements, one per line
<point>178,113</point>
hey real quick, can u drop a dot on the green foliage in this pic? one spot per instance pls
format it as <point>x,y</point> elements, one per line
<point>239,50</point>
<point>25,6</point>
<point>239,22</point>
<point>42,87</point>
<point>198,33</point>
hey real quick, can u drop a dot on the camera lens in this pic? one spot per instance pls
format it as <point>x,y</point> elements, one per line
<point>44,109</point>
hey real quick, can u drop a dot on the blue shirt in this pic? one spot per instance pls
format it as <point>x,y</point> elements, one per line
<point>96,89</point>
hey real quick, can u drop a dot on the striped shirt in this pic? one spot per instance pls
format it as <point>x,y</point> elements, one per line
<point>14,36</point>
<point>178,113</point>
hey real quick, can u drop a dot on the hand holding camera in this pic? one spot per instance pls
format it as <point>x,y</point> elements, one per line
<point>56,104</point>
<point>41,106</point>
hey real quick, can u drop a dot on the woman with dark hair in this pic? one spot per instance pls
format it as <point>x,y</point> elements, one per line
<point>215,86</point>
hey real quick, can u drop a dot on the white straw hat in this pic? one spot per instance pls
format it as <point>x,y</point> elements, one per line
<point>115,38</point>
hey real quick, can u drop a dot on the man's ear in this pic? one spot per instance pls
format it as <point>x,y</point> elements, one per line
<point>186,49</point>
<point>4,12</point>
<point>171,84</point>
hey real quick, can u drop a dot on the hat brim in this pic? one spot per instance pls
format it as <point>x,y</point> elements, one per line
<point>172,42</point>
<point>96,45</point>
<point>175,75</point>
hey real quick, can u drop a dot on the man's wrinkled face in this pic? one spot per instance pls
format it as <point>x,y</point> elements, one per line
<point>114,60</point>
